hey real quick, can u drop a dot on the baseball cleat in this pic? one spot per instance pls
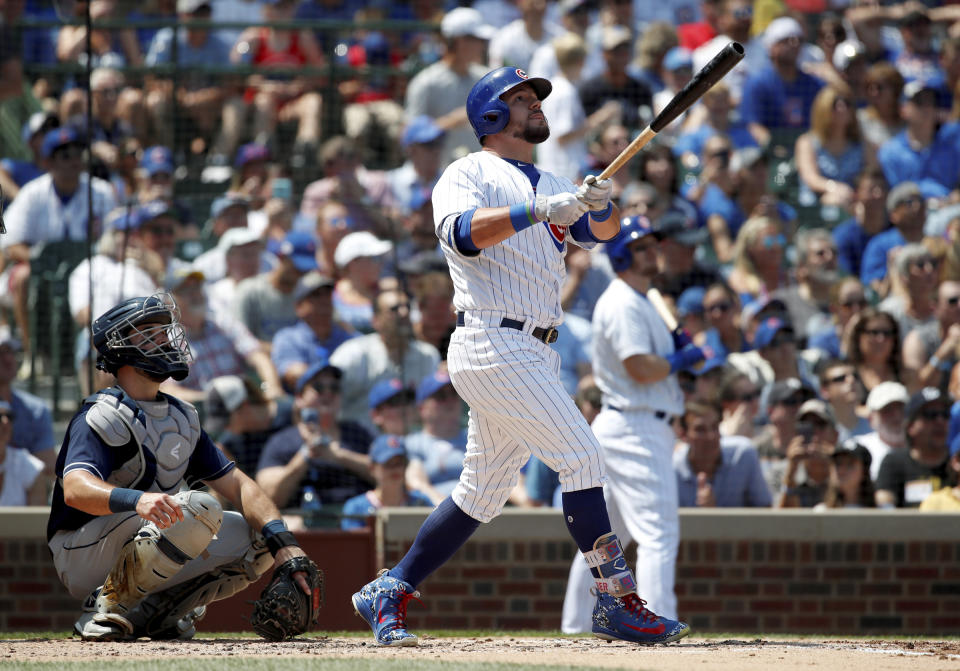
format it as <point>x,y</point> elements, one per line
<point>627,619</point>
<point>383,604</point>
<point>93,627</point>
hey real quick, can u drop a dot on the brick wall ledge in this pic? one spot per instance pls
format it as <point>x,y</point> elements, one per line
<point>726,523</point>
<point>721,523</point>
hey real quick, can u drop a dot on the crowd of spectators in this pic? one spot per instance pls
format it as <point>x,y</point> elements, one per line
<point>807,212</point>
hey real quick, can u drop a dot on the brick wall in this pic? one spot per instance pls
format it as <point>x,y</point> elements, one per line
<point>838,573</point>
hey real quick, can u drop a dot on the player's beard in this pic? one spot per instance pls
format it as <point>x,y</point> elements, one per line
<point>535,134</point>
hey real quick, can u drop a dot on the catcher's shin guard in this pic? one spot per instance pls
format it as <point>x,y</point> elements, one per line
<point>615,577</point>
<point>160,612</point>
<point>153,556</point>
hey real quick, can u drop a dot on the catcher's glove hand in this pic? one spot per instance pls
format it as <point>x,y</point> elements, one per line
<point>283,610</point>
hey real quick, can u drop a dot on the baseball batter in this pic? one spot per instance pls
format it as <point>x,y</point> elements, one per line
<point>147,555</point>
<point>504,227</point>
<point>635,357</point>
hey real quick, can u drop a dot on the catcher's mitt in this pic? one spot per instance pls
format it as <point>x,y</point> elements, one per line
<point>283,610</point>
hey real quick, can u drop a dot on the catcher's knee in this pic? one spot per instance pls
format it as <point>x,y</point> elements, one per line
<point>202,517</point>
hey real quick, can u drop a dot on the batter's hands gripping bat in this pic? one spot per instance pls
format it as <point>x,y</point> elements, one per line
<point>711,73</point>
<point>660,305</point>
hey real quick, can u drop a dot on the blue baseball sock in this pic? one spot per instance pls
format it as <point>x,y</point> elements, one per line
<point>585,512</point>
<point>442,534</point>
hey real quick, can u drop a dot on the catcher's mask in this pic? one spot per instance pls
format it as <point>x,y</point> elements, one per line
<point>145,333</point>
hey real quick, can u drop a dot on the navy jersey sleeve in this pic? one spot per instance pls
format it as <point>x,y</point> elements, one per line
<point>207,462</point>
<point>84,451</point>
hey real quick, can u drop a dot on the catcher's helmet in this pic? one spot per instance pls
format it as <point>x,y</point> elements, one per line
<point>145,333</point>
<point>631,228</point>
<point>488,114</point>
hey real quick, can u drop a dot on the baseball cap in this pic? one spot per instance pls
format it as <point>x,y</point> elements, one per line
<point>309,283</point>
<point>677,59</point>
<point>190,6</point>
<point>781,29</point>
<point>155,209</point>
<point>886,393</point>
<point>914,88</point>
<point>431,384</point>
<point>853,447</point>
<point>249,153</point>
<point>465,21</point>
<point>223,395</point>
<point>157,159</point>
<point>901,193</point>
<point>229,199</point>
<point>681,228</point>
<point>421,130</point>
<point>613,36</point>
<point>690,302</point>
<point>384,390</point>
<point>299,247</point>
<point>768,329</point>
<point>762,307</point>
<point>386,447</point>
<point>317,367</point>
<point>924,397</point>
<point>121,219</point>
<point>7,338</point>
<point>783,390</point>
<point>847,52</point>
<point>38,122</point>
<point>237,237</point>
<point>360,243</point>
<point>817,408</point>
<point>177,278</point>
<point>60,137</point>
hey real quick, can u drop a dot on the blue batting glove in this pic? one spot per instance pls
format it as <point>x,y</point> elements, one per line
<point>684,358</point>
<point>680,338</point>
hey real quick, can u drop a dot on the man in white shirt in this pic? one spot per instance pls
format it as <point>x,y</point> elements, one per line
<point>516,43</point>
<point>734,22</point>
<point>886,403</point>
<point>50,208</point>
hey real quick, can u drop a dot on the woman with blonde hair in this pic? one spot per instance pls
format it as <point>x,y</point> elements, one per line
<point>758,258</point>
<point>832,153</point>
<point>880,120</point>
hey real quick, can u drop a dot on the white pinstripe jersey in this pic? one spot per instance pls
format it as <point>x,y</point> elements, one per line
<point>520,276</point>
<point>625,324</point>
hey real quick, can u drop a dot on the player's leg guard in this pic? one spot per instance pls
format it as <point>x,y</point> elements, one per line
<point>619,613</point>
<point>172,612</point>
<point>149,560</point>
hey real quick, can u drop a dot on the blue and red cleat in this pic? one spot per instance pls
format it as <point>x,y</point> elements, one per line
<point>627,619</point>
<point>383,604</point>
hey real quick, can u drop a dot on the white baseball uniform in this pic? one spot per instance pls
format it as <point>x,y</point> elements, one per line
<point>510,379</point>
<point>634,429</point>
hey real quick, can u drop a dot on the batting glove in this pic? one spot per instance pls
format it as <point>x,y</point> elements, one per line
<point>563,209</point>
<point>684,358</point>
<point>596,194</point>
<point>680,338</point>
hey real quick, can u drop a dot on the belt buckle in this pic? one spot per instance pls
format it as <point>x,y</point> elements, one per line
<point>550,335</point>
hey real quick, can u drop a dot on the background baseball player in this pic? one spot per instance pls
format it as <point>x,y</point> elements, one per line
<point>504,227</point>
<point>148,556</point>
<point>635,358</point>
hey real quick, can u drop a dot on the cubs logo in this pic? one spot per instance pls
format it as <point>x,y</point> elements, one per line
<point>521,74</point>
<point>557,233</point>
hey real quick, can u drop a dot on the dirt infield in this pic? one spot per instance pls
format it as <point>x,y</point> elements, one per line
<point>694,653</point>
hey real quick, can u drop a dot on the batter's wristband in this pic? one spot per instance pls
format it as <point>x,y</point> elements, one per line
<point>521,216</point>
<point>123,500</point>
<point>604,214</point>
<point>277,537</point>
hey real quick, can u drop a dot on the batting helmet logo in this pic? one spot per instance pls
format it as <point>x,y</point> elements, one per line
<point>488,114</point>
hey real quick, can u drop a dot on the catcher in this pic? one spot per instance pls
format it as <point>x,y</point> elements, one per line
<point>147,554</point>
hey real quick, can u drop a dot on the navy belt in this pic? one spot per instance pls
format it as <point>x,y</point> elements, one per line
<point>547,336</point>
<point>659,414</point>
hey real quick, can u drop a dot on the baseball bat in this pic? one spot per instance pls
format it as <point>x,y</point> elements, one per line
<point>711,73</point>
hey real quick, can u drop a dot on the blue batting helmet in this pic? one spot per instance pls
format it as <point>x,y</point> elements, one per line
<point>631,228</point>
<point>144,333</point>
<point>488,114</point>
